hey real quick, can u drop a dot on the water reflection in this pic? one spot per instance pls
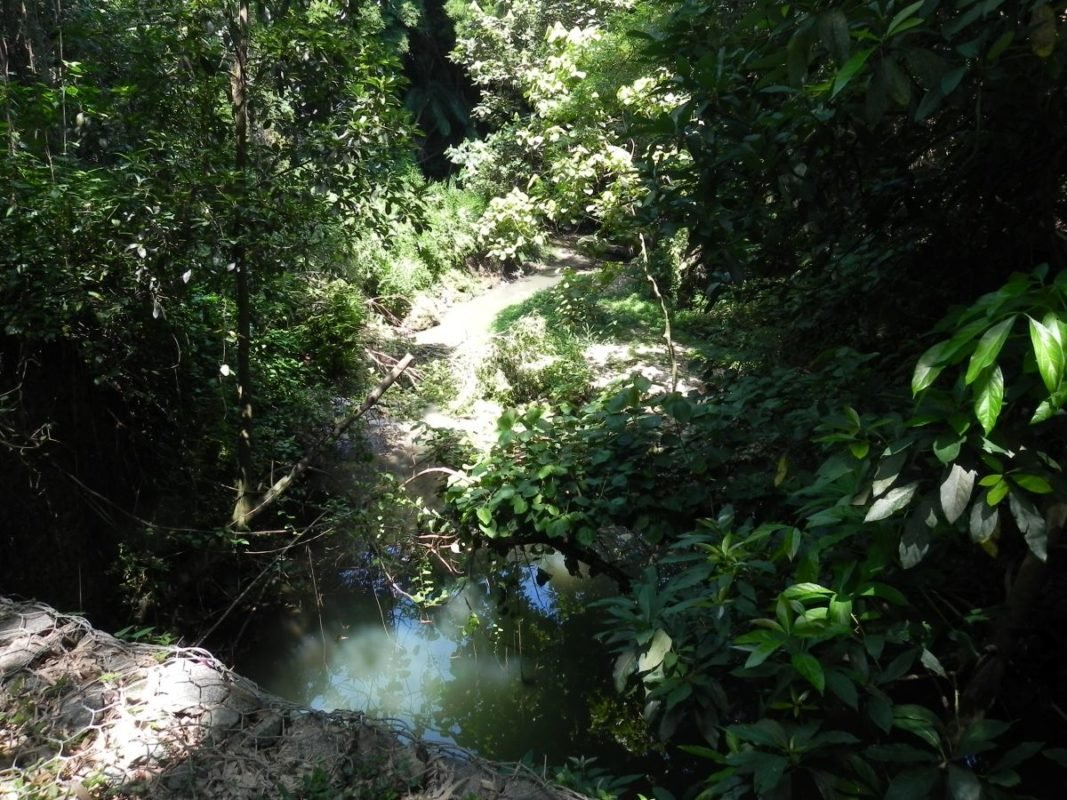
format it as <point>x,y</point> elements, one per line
<point>508,667</point>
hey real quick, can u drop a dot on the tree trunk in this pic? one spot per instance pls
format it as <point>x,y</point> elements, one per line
<point>241,267</point>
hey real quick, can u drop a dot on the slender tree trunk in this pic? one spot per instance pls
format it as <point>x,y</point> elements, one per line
<point>241,267</point>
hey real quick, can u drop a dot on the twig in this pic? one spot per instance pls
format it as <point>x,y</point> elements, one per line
<point>255,580</point>
<point>667,337</point>
<point>283,484</point>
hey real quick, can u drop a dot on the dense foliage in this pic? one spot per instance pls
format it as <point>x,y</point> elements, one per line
<point>829,585</point>
<point>837,589</point>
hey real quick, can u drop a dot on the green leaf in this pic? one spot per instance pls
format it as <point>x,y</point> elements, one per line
<point>902,16</point>
<point>932,663</point>
<point>624,667</point>
<point>887,473</point>
<point>963,784</point>
<point>947,447</point>
<point>990,398</point>
<point>849,69</point>
<point>928,367</point>
<point>810,669</point>
<point>989,347</point>
<point>841,685</point>
<point>1017,755</point>
<point>766,732</point>
<point>657,650</point>
<point>1056,754</point>
<point>860,450</point>
<point>997,493</point>
<point>984,522</point>
<point>981,736</point>
<point>1034,484</point>
<point>912,784</point>
<point>833,31</point>
<point>951,79</point>
<point>893,501</point>
<point>956,492</point>
<point>485,515</point>
<point>806,591</point>
<point>1031,523</point>
<point>918,720</point>
<point>899,84</point>
<point>1049,354</point>
<point>914,540</point>
<point>880,710</point>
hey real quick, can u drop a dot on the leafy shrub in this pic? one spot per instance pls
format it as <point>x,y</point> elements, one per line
<point>511,229</point>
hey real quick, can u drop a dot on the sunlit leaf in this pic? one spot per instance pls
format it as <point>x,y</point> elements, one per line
<point>989,398</point>
<point>984,521</point>
<point>989,347</point>
<point>892,502</point>
<point>849,70</point>
<point>1031,523</point>
<point>657,649</point>
<point>928,367</point>
<point>887,473</point>
<point>956,492</point>
<point>810,669</point>
<point>1049,354</point>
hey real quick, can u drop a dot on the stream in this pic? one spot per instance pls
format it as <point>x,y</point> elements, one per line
<point>509,667</point>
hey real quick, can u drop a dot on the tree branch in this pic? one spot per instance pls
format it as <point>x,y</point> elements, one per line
<point>282,485</point>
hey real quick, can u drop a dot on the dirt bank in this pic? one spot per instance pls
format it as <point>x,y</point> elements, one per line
<point>85,715</point>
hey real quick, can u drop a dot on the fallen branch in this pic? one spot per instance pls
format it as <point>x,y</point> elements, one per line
<point>282,485</point>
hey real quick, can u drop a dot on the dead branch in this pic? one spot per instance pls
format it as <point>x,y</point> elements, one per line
<point>283,484</point>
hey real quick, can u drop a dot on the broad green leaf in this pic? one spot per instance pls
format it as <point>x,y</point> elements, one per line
<point>810,669</point>
<point>1034,484</point>
<point>932,663</point>
<point>485,514</point>
<point>904,15</point>
<point>859,450</point>
<point>1017,755</point>
<point>849,70</point>
<point>657,649</point>
<point>766,732</point>
<point>980,736</point>
<point>1000,45</point>
<point>951,79</point>
<point>963,784</point>
<point>898,83</point>
<point>806,591</point>
<point>956,492</point>
<point>989,347</point>
<point>624,667</point>
<point>1043,31</point>
<point>911,784</point>
<point>914,541</point>
<point>880,711</point>
<point>887,473</point>
<point>929,367</point>
<point>762,652</point>
<point>833,31</point>
<point>892,502</point>
<point>930,103</point>
<point>1031,523</point>
<point>997,493</point>
<point>990,398</point>
<point>947,447</point>
<point>918,720</point>
<point>841,685</point>
<point>1049,354</point>
<point>984,522</point>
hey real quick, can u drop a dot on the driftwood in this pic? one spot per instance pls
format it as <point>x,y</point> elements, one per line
<point>282,485</point>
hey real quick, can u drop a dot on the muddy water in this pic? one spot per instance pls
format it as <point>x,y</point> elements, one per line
<point>508,668</point>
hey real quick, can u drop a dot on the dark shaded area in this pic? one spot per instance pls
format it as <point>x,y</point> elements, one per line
<point>440,94</point>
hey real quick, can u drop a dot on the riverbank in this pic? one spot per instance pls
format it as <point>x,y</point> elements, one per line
<point>86,715</point>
